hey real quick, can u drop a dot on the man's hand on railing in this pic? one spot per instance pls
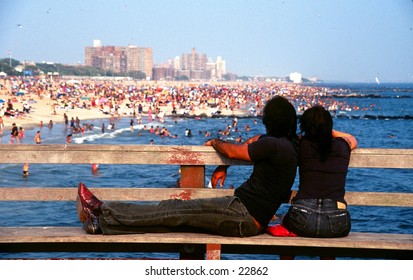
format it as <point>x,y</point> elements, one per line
<point>219,175</point>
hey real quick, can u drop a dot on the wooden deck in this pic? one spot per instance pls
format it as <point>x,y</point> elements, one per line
<point>192,160</point>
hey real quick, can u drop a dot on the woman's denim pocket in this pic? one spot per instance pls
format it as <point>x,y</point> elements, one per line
<point>340,223</point>
<point>299,217</point>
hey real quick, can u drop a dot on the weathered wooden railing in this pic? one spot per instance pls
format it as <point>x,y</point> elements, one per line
<point>192,160</point>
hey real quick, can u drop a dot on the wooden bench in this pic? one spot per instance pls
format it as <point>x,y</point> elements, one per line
<point>192,160</point>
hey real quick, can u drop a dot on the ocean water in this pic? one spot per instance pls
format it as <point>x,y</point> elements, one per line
<point>380,116</point>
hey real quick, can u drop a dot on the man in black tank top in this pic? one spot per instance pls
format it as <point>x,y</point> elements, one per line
<point>247,213</point>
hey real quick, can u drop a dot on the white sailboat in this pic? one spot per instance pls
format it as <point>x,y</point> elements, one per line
<point>377,80</point>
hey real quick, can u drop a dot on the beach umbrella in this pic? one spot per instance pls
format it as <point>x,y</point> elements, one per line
<point>2,101</point>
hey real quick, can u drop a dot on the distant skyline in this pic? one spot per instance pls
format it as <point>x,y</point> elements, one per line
<point>353,40</point>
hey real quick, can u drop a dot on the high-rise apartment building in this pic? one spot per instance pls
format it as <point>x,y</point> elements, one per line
<point>191,66</point>
<point>139,59</point>
<point>196,66</point>
<point>108,58</point>
<point>193,61</point>
<point>119,59</point>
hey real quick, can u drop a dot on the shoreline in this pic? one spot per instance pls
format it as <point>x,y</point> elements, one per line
<point>43,108</point>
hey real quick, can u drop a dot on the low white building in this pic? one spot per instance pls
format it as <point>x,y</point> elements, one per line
<point>296,77</point>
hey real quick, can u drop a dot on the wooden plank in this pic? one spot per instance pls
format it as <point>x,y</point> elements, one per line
<point>154,194</point>
<point>176,155</point>
<point>115,194</point>
<point>112,154</point>
<point>381,158</point>
<point>380,199</point>
<point>77,235</point>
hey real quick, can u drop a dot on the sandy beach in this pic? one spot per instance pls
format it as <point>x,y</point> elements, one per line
<point>43,110</point>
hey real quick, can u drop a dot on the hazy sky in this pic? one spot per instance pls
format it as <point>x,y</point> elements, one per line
<point>345,40</point>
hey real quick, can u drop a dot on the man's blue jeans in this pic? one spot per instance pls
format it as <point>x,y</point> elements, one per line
<point>317,218</point>
<point>225,216</point>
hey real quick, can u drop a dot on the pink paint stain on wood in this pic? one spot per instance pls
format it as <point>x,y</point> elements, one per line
<point>185,156</point>
<point>184,195</point>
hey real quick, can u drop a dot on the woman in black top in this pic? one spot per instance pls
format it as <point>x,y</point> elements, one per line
<point>319,208</point>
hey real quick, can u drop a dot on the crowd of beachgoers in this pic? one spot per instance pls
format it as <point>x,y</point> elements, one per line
<point>30,100</point>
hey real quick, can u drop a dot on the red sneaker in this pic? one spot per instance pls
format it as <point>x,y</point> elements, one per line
<point>279,230</point>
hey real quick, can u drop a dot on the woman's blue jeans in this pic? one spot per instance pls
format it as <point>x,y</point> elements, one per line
<point>225,216</point>
<point>317,218</point>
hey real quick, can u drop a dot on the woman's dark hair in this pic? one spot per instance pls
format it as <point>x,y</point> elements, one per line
<point>316,124</point>
<point>280,118</point>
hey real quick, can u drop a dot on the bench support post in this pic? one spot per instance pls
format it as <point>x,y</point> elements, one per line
<point>192,176</point>
<point>213,252</point>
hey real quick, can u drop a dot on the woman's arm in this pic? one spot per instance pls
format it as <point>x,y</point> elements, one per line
<point>351,140</point>
<point>253,139</point>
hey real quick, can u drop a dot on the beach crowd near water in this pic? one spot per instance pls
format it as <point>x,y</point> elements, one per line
<point>37,101</point>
